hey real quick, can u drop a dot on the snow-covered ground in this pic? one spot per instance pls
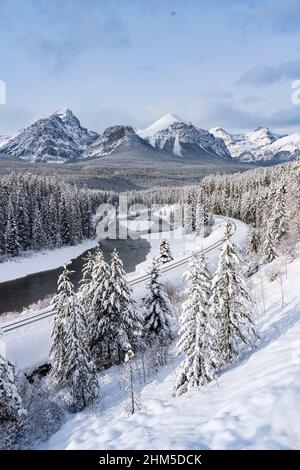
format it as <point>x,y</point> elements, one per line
<point>42,260</point>
<point>182,243</point>
<point>255,403</point>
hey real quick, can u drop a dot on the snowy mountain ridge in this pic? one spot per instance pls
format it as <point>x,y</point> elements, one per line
<point>161,124</point>
<point>3,140</point>
<point>260,145</point>
<point>111,139</point>
<point>180,138</point>
<point>61,138</point>
<point>58,138</point>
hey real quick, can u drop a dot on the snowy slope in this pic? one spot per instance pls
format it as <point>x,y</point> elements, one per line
<point>260,145</point>
<point>80,136</point>
<point>255,404</point>
<point>3,140</point>
<point>183,139</point>
<point>57,138</point>
<point>163,123</point>
<point>111,140</point>
<point>43,260</point>
<point>288,147</point>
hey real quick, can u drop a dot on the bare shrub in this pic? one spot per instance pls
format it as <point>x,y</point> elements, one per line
<point>41,303</point>
<point>46,411</point>
<point>173,293</point>
<point>288,248</point>
<point>273,271</point>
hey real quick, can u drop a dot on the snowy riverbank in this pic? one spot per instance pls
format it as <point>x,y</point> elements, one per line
<point>42,260</point>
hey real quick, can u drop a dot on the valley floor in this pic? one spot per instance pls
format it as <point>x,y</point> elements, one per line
<point>255,403</point>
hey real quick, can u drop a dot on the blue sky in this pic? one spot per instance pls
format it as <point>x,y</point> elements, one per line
<point>217,63</point>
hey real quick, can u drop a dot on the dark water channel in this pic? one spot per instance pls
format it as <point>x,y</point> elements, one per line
<point>20,293</point>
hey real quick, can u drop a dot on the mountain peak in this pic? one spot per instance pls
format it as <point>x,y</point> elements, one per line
<point>218,131</point>
<point>64,113</point>
<point>67,117</point>
<point>170,119</point>
<point>163,123</point>
<point>57,138</point>
<point>111,139</point>
<point>262,128</point>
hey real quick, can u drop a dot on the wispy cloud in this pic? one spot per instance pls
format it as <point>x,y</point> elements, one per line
<point>268,74</point>
<point>285,118</point>
<point>61,31</point>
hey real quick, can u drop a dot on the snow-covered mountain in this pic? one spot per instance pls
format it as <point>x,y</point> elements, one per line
<point>80,135</point>
<point>3,140</point>
<point>260,145</point>
<point>183,139</point>
<point>57,138</point>
<point>61,138</point>
<point>112,139</point>
<point>161,124</point>
<point>287,147</point>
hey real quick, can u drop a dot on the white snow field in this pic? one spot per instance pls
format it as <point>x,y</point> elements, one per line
<point>161,124</point>
<point>43,260</point>
<point>255,403</point>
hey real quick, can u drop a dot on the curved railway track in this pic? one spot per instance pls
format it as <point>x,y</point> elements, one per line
<point>16,324</point>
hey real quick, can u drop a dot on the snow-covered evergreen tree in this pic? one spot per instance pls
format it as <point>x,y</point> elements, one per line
<point>253,241</point>
<point>189,217</point>
<point>157,308</point>
<point>78,367</point>
<point>62,310</point>
<point>66,221</point>
<point>38,212</point>
<point>202,216</point>
<point>12,243</point>
<point>85,283</point>
<point>165,254</point>
<point>70,353</point>
<point>268,249</point>
<point>11,406</point>
<point>231,303</point>
<point>94,285</point>
<point>200,219</point>
<point>197,330</point>
<point>278,216</point>
<point>86,210</point>
<point>39,238</point>
<point>120,321</point>
<point>52,226</point>
<point>22,220</point>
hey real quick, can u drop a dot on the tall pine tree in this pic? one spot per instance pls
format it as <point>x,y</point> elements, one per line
<point>11,406</point>
<point>120,322</point>
<point>79,369</point>
<point>197,330</point>
<point>12,242</point>
<point>93,289</point>
<point>62,310</point>
<point>164,252</point>
<point>268,248</point>
<point>157,308</point>
<point>231,303</point>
